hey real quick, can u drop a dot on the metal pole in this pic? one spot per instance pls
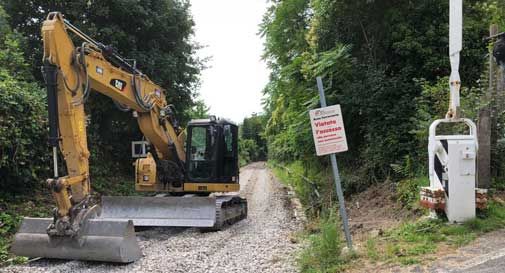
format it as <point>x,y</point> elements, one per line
<point>336,175</point>
<point>55,161</point>
<point>320,87</point>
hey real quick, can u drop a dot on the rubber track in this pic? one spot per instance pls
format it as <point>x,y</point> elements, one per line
<point>225,205</point>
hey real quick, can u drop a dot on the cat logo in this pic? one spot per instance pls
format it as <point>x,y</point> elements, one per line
<point>99,70</point>
<point>118,84</point>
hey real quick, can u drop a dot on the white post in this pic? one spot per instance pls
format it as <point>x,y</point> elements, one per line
<point>455,46</point>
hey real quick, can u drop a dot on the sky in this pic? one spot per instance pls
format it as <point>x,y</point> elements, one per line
<point>232,85</point>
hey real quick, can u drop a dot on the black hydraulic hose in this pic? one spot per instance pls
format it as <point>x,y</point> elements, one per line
<point>109,54</point>
<point>50,73</point>
<point>75,65</point>
<point>79,62</point>
<point>138,98</point>
<point>121,107</point>
<point>82,61</point>
<point>107,51</point>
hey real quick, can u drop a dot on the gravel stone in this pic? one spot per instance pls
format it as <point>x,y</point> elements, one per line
<point>260,243</point>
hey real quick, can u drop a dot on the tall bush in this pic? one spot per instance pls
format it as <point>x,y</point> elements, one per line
<point>23,149</point>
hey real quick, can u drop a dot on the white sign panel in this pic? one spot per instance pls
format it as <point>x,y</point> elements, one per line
<point>328,130</point>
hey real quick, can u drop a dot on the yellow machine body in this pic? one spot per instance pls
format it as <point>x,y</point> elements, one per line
<point>77,231</point>
<point>157,129</point>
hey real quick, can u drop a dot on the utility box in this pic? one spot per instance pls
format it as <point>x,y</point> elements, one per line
<point>460,172</point>
<point>452,171</point>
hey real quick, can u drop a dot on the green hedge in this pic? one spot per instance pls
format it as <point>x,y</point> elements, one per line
<point>23,150</point>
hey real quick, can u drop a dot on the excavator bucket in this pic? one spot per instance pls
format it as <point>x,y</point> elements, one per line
<point>101,240</point>
<point>172,211</point>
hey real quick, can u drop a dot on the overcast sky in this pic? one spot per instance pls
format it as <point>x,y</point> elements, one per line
<point>232,85</point>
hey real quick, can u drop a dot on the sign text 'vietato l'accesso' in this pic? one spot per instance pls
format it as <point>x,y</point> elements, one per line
<point>328,130</point>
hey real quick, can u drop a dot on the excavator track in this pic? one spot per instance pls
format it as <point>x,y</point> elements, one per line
<point>229,210</point>
<point>209,213</point>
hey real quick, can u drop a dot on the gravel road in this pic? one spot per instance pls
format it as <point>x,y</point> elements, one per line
<point>261,243</point>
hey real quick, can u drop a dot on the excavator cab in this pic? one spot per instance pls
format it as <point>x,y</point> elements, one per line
<point>212,154</point>
<point>211,161</point>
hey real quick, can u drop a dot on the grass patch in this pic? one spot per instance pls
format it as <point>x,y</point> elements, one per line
<point>114,185</point>
<point>411,243</point>
<point>12,210</point>
<point>371,250</point>
<point>8,225</point>
<point>317,195</point>
<point>292,176</point>
<point>407,192</point>
<point>324,252</point>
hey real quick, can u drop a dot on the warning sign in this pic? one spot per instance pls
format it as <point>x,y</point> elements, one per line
<point>328,130</point>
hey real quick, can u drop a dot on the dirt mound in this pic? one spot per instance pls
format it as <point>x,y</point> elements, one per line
<point>375,210</point>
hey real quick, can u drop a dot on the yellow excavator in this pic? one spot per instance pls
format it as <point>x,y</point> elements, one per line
<point>200,172</point>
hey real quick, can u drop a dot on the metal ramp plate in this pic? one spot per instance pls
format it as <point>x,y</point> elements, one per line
<point>161,211</point>
<point>102,240</point>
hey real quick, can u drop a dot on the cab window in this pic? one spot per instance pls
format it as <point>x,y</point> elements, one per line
<point>202,153</point>
<point>198,144</point>
<point>229,157</point>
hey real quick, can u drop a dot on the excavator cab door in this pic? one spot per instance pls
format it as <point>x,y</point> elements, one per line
<point>212,154</point>
<point>229,154</point>
<point>202,153</point>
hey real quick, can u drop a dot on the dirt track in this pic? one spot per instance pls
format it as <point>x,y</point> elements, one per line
<point>260,243</point>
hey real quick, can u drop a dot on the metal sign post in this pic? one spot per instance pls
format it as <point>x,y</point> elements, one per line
<point>336,175</point>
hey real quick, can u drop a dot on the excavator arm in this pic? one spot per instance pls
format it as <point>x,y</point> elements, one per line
<point>71,73</point>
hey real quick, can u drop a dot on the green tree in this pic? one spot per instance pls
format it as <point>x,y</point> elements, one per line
<point>156,33</point>
<point>247,151</point>
<point>370,54</point>
<point>252,139</point>
<point>199,110</point>
<point>22,117</point>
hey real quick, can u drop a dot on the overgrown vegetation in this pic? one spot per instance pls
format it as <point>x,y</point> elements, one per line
<point>252,144</point>
<point>22,117</point>
<point>324,251</point>
<point>408,191</point>
<point>314,194</point>
<point>12,209</point>
<point>412,242</point>
<point>386,64</point>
